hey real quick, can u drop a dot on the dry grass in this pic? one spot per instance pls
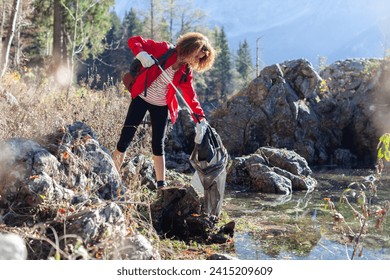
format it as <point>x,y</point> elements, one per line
<point>42,106</point>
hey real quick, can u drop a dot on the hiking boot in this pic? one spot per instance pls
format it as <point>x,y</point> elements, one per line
<point>161,184</point>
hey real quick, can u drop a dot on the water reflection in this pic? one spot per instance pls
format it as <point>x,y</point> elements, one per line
<point>299,227</point>
<point>249,248</point>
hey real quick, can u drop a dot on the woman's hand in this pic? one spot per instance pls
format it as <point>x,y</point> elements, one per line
<point>146,59</point>
<point>200,130</point>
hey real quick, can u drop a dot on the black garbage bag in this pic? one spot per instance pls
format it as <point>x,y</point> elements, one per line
<point>209,158</point>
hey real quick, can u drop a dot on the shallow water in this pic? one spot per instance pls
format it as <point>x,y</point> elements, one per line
<point>299,226</point>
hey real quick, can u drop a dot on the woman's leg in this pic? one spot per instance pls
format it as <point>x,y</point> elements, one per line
<point>118,158</point>
<point>159,167</point>
<point>135,115</point>
<point>159,120</point>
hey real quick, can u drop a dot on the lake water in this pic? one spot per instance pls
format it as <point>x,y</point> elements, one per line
<point>300,226</point>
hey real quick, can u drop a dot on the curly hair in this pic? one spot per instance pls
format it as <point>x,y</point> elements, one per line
<point>189,44</point>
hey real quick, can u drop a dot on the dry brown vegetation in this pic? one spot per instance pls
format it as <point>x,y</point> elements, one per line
<point>42,106</point>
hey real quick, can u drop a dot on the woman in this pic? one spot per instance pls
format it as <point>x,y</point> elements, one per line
<point>152,92</point>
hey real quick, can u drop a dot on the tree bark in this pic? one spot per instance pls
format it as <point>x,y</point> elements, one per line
<point>2,30</point>
<point>18,43</point>
<point>57,33</point>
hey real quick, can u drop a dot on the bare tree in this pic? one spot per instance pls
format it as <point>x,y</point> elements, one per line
<point>2,26</point>
<point>10,35</point>
<point>18,41</point>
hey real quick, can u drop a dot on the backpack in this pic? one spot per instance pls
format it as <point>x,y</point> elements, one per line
<point>130,77</point>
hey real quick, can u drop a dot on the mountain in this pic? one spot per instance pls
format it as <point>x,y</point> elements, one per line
<point>290,29</point>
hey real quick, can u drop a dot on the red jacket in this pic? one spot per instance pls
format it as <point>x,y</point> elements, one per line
<point>157,49</point>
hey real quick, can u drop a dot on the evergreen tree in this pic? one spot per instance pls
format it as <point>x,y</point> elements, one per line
<point>222,75</point>
<point>163,31</point>
<point>131,26</point>
<point>243,63</point>
<point>42,24</point>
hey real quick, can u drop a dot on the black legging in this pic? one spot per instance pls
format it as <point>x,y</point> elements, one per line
<point>135,115</point>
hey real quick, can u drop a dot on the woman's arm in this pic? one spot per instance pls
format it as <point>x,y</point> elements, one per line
<point>138,44</point>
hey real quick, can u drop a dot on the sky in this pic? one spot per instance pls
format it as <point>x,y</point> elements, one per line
<point>292,29</point>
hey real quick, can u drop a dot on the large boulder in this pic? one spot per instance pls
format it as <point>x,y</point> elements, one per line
<point>271,170</point>
<point>334,117</point>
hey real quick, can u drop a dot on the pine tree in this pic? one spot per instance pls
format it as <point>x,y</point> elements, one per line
<point>131,26</point>
<point>222,76</point>
<point>41,46</point>
<point>243,63</point>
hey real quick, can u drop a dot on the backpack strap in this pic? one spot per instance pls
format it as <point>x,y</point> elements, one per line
<point>161,60</point>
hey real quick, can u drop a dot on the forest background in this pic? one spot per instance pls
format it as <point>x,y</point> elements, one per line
<point>85,42</point>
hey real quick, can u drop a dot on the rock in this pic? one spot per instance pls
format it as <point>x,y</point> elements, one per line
<point>178,214</point>
<point>221,257</point>
<point>291,106</point>
<point>12,247</point>
<point>270,182</point>
<point>137,247</point>
<point>271,170</point>
<point>228,228</point>
<point>34,177</point>
<point>344,158</point>
<point>89,224</point>
<point>8,97</point>
<point>80,153</point>
<point>285,159</point>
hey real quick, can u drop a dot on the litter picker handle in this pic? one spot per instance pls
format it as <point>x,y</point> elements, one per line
<point>165,75</point>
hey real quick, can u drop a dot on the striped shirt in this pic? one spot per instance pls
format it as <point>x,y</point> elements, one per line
<point>156,94</point>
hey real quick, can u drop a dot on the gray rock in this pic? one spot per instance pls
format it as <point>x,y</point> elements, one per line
<point>12,247</point>
<point>221,257</point>
<point>291,106</point>
<point>137,247</point>
<point>91,225</point>
<point>272,170</point>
